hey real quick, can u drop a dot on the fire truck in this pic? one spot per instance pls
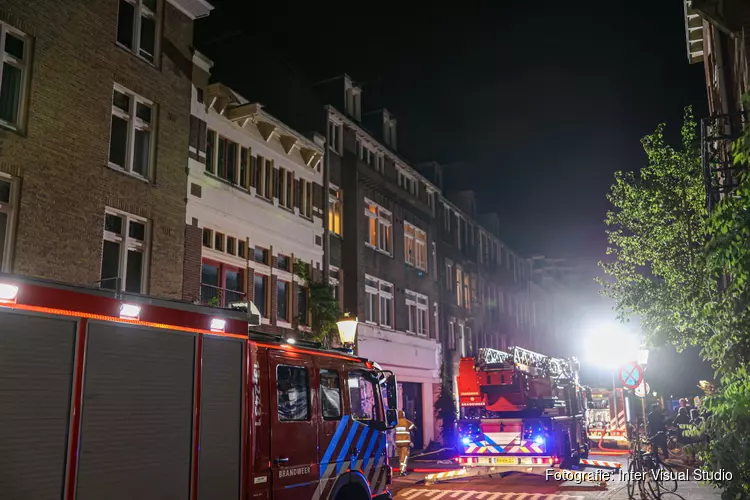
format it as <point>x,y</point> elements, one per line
<point>115,396</point>
<point>607,417</point>
<point>521,411</point>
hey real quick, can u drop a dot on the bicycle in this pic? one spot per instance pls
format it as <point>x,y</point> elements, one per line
<point>646,469</point>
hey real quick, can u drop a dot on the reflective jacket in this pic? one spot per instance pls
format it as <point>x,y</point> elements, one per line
<point>403,432</point>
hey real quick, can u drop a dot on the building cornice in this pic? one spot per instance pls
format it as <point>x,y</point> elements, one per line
<point>194,9</point>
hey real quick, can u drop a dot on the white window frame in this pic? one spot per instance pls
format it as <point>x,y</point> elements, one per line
<point>451,334</point>
<point>134,123</point>
<point>139,12</point>
<point>24,65</point>
<point>448,274</point>
<point>415,246</point>
<point>287,177</point>
<point>459,286</point>
<point>335,130</point>
<point>333,201</point>
<point>127,243</point>
<point>403,177</point>
<point>385,311</point>
<point>11,210</point>
<point>421,306</point>
<point>436,320</point>
<point>380,163</point>
<point>383,227</point>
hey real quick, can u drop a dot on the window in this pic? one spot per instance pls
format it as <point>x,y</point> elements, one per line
<point>15,49</point>
<point>330,394</point>
<point>407,182</point>
<point>363,399</point>
<point>221,284</point>
<point>462,339</point>
<point>365,154</point>
<point>226,158</point>
<point>261,255</point>
<point>452,334</point>
<point>283,262</point>
<point>305,205</point>
<point>467,291</point>
<point>334,136</point>
<point>231,245</point>
<point>334,280</point>
<point>431,201</point>
<point>379,222</point>
<point>380,164</point>
<point>260,294</point>
<point>136,27</point>
<point>282,300</point>
<point>303,313</point>
<point>241,249</point>
<point>378,302</point>
<point>210,151</point>
<point>8,209</point>
<point>446,218</point>
<point>293,393</point>
<point>265,182</point>
<point>124,252</point>
<point>415,245</point>
<point>459,285</point>
<point>448,275</point>
<point>219,242</point>
<point>244,178</point>
<point>131,132</point>
<point>286,188</point>
<point>417,305</point>
<point>334,210</point>
<point>208,237</point>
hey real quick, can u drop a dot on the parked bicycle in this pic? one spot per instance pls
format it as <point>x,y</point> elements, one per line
<point>647,471</point>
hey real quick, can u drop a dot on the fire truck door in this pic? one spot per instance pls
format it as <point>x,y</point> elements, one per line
<point>294,436</point>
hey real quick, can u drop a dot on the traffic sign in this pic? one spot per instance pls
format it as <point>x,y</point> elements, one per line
<point>642,390</point>
<point>631,375</point>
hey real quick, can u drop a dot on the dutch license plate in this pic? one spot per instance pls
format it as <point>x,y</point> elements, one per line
<point>507,460</point>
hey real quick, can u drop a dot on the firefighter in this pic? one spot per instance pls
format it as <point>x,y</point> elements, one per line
<point>403,439</point>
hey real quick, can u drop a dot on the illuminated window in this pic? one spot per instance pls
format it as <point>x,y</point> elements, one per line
<point>379,222</point>
<point>334,210</point>
<point>415,246</point>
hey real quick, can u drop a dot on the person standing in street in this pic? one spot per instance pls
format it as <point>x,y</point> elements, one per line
<point>657,424</point>
<point>403,439</point>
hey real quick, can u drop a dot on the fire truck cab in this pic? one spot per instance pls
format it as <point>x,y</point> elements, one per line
<point>118,396</point>
<point>520,411</point>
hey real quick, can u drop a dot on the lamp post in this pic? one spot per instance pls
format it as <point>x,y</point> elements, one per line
<point>347,327</point>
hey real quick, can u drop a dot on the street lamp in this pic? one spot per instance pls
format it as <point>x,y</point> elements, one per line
<point>347,327</point>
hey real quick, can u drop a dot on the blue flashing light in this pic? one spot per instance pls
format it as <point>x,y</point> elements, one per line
<point>466,440</point>
<point>539,440</point>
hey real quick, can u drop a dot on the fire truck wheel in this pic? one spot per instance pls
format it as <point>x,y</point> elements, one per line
<point>351,486</point>
<point>352,492</point>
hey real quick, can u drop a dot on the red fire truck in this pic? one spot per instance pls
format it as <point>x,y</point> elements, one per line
<point>118,396</point>
<point>607,414</point>
<point>521,411</point>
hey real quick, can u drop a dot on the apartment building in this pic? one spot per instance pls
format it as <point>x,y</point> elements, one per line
<point>718,35</point>
<point>382,247</point>
<point>94,117</point>
<point>255,211</point>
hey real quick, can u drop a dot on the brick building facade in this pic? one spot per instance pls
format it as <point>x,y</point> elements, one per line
<point>254,221</point>
<point>95,128</point>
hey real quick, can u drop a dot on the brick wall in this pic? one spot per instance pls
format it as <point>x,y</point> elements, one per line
<point>191,284</point>
<point>62,156</point>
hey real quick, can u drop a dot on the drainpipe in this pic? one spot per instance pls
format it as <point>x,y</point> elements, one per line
<point>326,207</point>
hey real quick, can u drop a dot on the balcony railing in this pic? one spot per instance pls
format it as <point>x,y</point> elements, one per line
<point>720,174</point>
<point>215,296</point>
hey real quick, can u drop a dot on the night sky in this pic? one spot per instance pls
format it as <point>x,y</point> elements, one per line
<point>542,101</point>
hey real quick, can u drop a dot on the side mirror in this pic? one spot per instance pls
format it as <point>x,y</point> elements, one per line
<point>391,399</point>
<point>391,418</point>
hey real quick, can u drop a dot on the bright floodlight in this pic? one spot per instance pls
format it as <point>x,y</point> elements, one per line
<point>291,341</point>
<point>130,311</point>
<point>8,292</point>
<point>643,357</point>
<point>218,324</point>
<point>347,329</point>
<point>611,346</point>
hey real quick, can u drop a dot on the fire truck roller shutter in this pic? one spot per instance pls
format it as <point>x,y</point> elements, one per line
<point>36,374</point>
<point>136,428</point>
<point>221,419</point>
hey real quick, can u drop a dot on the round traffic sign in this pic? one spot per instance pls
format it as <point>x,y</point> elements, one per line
<point>642,390</point>
<point>631,375</point>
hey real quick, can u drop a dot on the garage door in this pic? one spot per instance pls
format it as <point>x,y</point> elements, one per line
<point>36,370</point>
<point>221,419</point>
<point>137,414</point>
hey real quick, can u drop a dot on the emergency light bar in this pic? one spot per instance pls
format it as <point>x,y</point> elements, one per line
<point>130,311</point>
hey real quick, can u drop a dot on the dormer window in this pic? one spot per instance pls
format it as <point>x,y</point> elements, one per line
<point>389,132</point>
<point>354,103</point>
<point>407,182</point>
<point>365,154</point>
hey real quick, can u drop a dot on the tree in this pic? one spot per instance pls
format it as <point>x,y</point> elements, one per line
<point>324,308</point>
<point>685,274</point>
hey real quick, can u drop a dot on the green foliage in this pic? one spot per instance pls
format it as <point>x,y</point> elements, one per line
<point>686,275</point>
<point>445,407</point>
<point>324,308</point>
<point>215,301</point>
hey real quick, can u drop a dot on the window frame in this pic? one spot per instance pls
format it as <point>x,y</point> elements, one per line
<point>322,399</point>
<point>11,209</point>
<point>421,305</point>
<point>134,123</point>
<point>307,394</point>
<point>335,130</point>
<point>24,65</point>
<point>127,243</point>
<point>138,13</point>
<point>381,220</point>
<point>265,313</point>
<point>222,269</point>
<point>385,300</point>
<point>335,210</point>
<point>287,293</point>
<point>306,199</point>
<point>416,239</point>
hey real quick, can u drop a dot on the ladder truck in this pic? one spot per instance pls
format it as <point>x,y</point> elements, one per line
<point>608,414</point>
<point>520,411</point>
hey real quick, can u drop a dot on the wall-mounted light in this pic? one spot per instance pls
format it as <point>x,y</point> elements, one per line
<point>218,324</point>
<point>8,292</point>
<point>130,311</point>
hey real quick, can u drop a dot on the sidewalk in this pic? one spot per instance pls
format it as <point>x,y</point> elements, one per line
<point>689,490</point>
